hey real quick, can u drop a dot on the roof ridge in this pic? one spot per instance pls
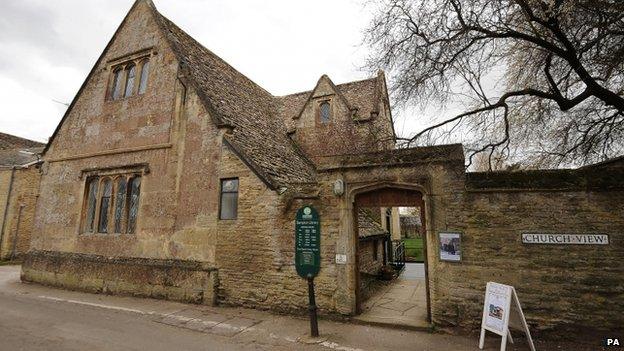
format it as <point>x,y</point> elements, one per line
<point>259,138</point>
<point>337,85</point>
<point>171,23</point>
<point>18,141</point>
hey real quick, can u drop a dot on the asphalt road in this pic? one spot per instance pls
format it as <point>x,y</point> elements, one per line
<point>38,318</point>
<point>35,317</point>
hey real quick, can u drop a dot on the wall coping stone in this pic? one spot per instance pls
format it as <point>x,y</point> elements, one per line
<point>581,179</point>
<point>141,261</point>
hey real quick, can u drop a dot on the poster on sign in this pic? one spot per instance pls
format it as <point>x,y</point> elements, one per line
<point>502,310</point>
<point>497,303</point>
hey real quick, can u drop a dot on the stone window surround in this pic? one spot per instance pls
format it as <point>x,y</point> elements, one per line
<point>113,173</point>
<point>319,101</point>
<point>221,192</point>
<point>138,59</point>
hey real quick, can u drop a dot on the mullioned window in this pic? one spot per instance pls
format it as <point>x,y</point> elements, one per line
<point>111,204</point>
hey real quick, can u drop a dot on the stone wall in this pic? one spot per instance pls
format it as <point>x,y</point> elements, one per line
<point>100,134</point>
<point>349,133</point>
<point>21,209</point>
<point>164,134</point>
<point>562,288</point>
<point>187,281</point>
<point>255,252</point>
<point>366,259</point>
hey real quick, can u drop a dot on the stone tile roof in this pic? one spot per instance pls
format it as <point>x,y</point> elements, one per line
<point>233,100</point>
<point>16,151</point>
<point>361,95</point>
<point>260,122</point>
<point>367,226</point>
<point>8,141</point>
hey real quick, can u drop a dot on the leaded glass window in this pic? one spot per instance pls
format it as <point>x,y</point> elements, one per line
<point>107,189</point>
<point>228,208</point>
<point>120,204</point>
<point>117,84</point>
<point>91,204</point>
<point>133,207</point>
<point>115,200</point>
<point>325,112</point>
<point>130,80</point>
<point>143,78</point>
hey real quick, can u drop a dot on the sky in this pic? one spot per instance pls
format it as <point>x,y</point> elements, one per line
<point>48,47</point>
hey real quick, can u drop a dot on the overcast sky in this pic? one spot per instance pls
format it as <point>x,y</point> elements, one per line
<point>48,47</point>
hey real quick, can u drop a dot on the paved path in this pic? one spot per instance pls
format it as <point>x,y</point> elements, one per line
<point>401,302</point>
<point>34,317</point>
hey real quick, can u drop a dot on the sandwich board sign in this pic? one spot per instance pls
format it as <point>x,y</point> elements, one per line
<point>502,310</point>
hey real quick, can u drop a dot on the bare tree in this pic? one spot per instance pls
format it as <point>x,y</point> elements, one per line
<point>542,79</point>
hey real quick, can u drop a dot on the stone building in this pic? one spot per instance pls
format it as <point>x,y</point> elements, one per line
<point>172,175</point>
<point>19,186</point>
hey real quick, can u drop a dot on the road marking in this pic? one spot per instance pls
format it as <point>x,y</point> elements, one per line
<point>335,346</point>
<point>326,344</point>
<point>95,305</point>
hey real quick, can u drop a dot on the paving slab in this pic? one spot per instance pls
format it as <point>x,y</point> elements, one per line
<point>199,325</point>
<point>224,329</point>
<point>400,303</point>
<point>177,321</point>
<point>399,306</point>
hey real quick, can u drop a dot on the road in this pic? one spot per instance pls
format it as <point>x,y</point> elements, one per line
<point>35,317</point>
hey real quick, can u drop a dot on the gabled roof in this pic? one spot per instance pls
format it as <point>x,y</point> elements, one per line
<point>361,95</point>
<point>8,141</point>
<point>16,151</point>
<point>254,117</point>
<point>233,100</point>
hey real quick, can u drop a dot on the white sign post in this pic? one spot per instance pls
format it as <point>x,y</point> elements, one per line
<point>500,312</point>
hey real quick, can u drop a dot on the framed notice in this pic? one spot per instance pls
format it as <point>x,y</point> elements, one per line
<point>450,246</point>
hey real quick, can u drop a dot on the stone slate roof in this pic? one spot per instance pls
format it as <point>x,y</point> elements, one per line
<point>259,121</point>
<point>16,151</point>
<point>258,135</point>
<point>253,117</point>
<point>8,141</point>
<point>367,226</point>
<point>361,95</point>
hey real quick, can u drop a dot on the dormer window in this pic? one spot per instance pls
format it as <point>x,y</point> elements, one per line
<point>325,112</point>
<point>129,78</point>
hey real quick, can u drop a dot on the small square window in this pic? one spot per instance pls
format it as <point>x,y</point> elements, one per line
<point>228,206</point>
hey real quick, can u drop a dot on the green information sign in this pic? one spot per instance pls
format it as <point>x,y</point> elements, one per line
<point>307,242</point>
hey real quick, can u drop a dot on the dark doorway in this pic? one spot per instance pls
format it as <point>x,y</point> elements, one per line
<point>388,288</point>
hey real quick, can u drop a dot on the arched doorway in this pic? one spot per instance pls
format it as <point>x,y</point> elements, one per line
<point>380,241</point>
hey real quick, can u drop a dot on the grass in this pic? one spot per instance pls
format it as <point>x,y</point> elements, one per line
<point>414,249</point>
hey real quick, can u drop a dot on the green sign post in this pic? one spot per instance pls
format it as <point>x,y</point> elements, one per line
<point>308,255</point>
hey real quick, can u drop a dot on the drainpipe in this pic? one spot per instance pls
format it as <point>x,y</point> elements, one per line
<point>6,209</point>
<point>17,227</point>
